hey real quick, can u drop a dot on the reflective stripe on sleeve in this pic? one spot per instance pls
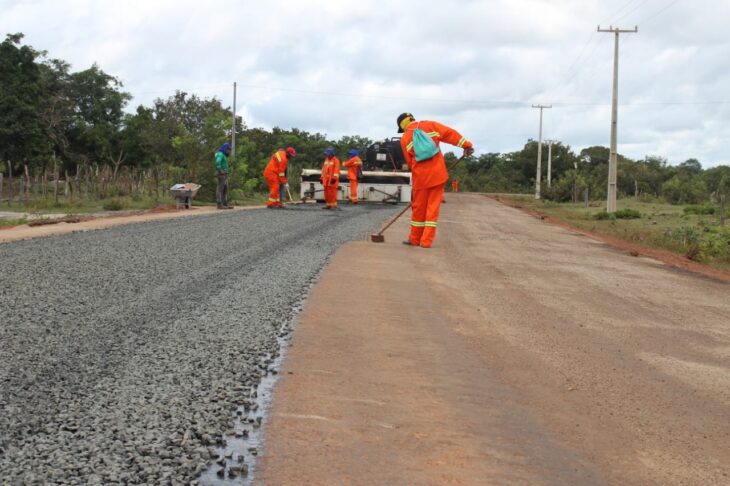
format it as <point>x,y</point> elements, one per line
<point>433,134</point>
<point>409,146</point>
<point>278,157</point>
<point>461,142</point>
<point>281,174</point>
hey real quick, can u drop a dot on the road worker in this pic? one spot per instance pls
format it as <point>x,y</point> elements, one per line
<point>221,169</point>
<point>455,185</point>
<point>354,171</point>
<point>330,178</point>
<point>275,175</point>
<point>420,144</point>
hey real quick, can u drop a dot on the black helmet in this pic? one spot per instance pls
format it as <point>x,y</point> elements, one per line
<point>402,117</point>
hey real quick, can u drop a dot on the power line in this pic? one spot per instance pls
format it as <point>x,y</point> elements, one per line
<point>631,11</point>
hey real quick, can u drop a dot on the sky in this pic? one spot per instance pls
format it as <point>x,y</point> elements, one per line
<point>350,67</point>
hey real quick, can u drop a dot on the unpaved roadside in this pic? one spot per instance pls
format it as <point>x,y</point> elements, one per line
<point>513,352</point>
<point>24,232</point>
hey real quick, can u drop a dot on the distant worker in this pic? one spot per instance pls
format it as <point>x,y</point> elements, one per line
<point>221,168</point>
<point>330,178</point>
<point>455,185</point>
<point>354,172</point>
<point>275,175</point>
<point>420,144</point>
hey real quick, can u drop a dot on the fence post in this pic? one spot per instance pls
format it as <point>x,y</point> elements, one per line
<point>10,182</point>
<point>55,180</point>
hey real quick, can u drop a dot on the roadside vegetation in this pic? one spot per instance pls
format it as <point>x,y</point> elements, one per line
<point>692,231</point>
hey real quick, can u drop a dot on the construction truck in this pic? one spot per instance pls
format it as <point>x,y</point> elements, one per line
<point>385,177</point>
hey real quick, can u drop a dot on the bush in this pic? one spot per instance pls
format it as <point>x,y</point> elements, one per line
<point>115,204</point>
<point>699,209</point>
<point>620,214</point>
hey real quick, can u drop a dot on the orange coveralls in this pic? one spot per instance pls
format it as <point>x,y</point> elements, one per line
<point>353,166</point>
<point>429,179</point>
<point>275,175</point>
<point>331,180</point>
<point>455,185</point>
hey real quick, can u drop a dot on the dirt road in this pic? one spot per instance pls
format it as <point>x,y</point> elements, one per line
<point>513,352</point>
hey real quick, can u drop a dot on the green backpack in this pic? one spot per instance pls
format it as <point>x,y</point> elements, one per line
<point>423,146</point>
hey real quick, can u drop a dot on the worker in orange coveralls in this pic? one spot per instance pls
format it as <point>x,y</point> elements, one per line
<point>275,175</point>
<point>330,178</point>
<point>429,176</point>
<point>455,185</point>
<point>354,169</point>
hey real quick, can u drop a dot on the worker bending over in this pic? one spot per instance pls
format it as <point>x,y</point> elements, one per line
<point>275,175</point>
<point>330,178</point>
<point>420,144</point>
<point>354,171</point>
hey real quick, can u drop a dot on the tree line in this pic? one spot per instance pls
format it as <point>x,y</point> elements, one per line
<point>575,174</point>
<point>71,128</point>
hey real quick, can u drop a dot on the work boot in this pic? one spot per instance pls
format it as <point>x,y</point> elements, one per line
<point>408,242</point>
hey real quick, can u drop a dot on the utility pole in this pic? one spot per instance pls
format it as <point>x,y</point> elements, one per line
<point>233,131</point>
<point>539,152</point>
<point>613,160</point>
<point>550,161</point>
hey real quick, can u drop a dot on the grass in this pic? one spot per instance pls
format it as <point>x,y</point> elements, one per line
<point>12,222</point>
<point>693,233</point>
<point>86,206</point>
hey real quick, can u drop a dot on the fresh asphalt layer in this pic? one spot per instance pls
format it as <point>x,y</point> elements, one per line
<point>126,351</point>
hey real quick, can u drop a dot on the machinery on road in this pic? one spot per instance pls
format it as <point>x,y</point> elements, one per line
<point>385,178</point>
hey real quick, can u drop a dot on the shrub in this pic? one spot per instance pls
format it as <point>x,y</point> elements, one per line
<point>620,214</point>
<point>699,209</point>
<point>116,204</point>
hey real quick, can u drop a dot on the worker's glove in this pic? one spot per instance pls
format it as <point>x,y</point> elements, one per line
<point>468,152</point>
<point>333,181</point>
<point>286,185</point>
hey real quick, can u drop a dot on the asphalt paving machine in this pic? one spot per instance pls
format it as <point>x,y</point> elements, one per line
<point>385,178</point>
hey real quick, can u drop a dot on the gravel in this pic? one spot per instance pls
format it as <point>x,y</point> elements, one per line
<point>126,353</point>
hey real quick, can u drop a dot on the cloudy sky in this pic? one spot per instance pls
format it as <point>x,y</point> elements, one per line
<point>350,67</point>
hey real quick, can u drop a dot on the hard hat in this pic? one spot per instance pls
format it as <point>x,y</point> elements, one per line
<point>352,153</point>
<point>401,118</point>
<point>225,147</point>
<point>329,151</point>
<point>291,152</point>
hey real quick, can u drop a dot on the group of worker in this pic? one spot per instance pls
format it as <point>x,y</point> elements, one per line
<point>420,144</point>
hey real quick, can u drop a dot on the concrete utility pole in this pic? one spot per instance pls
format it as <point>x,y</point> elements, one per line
<point>550,161</point>
<point>613,160</point>
<point>539,152</point>
<point>233,136</point>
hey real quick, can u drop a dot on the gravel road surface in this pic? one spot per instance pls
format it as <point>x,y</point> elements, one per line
<point>126,351</point>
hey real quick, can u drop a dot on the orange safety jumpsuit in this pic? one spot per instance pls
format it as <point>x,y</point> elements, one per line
<point>275,175</point>
<point>428,178</point>
<point>331,180</point>
<point>455,185</point>
<point>353,165</point>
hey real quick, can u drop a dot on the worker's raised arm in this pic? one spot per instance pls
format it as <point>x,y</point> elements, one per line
<point>451,136</point>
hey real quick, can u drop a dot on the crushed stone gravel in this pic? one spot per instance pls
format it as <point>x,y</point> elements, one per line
<point>126,352</point>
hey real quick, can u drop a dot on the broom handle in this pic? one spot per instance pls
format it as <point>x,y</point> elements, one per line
<point>411,204</point>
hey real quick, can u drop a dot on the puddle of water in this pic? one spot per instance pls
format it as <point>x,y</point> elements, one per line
<point>236,461</point>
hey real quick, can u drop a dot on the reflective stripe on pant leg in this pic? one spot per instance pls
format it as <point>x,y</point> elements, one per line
<point>418,215</point>
<point>435,196</point>
<point>273,192</point>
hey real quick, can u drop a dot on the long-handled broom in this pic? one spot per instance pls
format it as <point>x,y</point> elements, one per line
<point>379,237</point>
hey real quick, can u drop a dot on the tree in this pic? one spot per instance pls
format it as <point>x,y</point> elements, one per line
<point>22,133</point>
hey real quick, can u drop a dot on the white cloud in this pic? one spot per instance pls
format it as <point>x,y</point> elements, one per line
<point>451,61</point>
